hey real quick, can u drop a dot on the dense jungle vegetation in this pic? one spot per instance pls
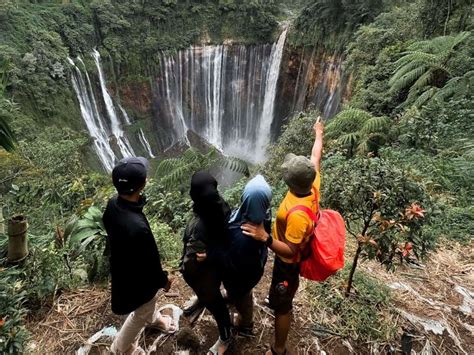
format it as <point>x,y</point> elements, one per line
<point>398,161</point>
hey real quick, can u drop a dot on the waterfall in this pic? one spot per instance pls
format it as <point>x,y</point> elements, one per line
<point>124,145</point>
<point>266,120</point>
<point>145,144</point>
<point>226,94</point>
<point>127,119</point>
<point>100,129</point>
<point>92,118</point>
<point>221,92</point>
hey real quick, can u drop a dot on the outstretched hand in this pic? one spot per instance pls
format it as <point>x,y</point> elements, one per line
<point>318,126</point>
<point>254,231</point>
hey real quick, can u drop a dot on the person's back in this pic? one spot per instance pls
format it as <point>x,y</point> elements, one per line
<point>135,264</point>
<point>205,235</point>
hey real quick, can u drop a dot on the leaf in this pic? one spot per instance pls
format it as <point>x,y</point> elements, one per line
<point>77,237</point>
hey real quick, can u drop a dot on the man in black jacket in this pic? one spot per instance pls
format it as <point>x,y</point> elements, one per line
<point>135,263</point>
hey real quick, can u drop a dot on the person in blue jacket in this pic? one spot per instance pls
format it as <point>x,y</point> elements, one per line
<point>245,258</point>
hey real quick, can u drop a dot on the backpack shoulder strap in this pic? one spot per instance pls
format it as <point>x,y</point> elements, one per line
<point>304,209</point>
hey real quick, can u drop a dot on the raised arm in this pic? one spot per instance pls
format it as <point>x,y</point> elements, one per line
<point>317,150</point>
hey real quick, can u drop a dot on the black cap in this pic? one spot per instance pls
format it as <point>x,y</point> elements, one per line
<point>129,175</point>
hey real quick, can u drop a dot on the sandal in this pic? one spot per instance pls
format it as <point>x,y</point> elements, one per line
<point>169,327</point>
<point>214,350</point>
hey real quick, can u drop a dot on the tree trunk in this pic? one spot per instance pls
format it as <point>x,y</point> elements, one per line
<point>2,222</point>
<point>354,265</point>
<point>17,238</point>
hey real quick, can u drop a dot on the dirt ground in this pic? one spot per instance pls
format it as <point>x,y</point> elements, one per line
<point>434,304</point>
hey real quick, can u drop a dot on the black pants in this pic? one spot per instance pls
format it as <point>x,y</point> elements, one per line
<point>285,282</point>
<point>206,283</point>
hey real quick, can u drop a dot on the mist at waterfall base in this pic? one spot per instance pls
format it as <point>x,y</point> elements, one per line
<point>224,93</point>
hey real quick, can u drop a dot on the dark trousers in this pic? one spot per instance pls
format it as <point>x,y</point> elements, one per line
<point>206,283</point>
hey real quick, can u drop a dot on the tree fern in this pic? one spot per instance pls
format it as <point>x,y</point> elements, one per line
<point>355,129</point>
<point>178,171</point>
<point>375,124</point>
<point>428,64</point>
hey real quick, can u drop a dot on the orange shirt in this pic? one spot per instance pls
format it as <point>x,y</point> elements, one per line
<point>299,227</point>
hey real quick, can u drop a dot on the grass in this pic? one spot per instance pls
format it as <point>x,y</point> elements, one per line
<point>366,315</point>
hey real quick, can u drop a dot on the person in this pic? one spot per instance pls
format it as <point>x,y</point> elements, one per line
<point>135,264</point>
<point>244,262</point>
<point>205,234</point>
<point>291,234</point>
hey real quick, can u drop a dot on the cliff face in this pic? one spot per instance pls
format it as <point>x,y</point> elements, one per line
<point>310,78</point>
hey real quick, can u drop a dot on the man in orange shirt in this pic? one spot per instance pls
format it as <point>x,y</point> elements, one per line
<point>291,234</point>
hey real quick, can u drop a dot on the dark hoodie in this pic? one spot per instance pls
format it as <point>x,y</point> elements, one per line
<point>134,259</point>
<point>208,229</point>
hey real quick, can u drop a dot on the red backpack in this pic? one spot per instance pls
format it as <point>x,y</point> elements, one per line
<point>325,250</point>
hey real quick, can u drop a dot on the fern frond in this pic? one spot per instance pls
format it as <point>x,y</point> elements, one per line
<point>423,81</point>
<point>375,124</point>
<point>425,97</point>
<point>347,120</point>
<point>349,139</point>
<point>166,166</point>
<point>407,79</point>
<point>177,176</point>
<point>235,164</point>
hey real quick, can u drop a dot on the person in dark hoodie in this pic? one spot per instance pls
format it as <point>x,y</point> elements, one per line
<point>216,251</point>
<point>204,237</point>
<point>135,263</point>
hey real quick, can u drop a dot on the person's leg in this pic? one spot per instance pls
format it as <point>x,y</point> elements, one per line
<point>220,312</point>
<point>282,327</point>
<point>244,306</point>
<point>285,282</point>
<point>125,341</point>
<point>206,284</point>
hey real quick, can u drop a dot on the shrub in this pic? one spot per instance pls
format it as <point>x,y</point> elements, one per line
<point>383,208</point>
<point>169,243</point>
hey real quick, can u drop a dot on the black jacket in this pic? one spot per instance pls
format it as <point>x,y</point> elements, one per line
<point>134,259</point>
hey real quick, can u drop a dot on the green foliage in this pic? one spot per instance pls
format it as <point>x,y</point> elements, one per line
<point>88,229</point>
<point>30,285</point>
<point>366,316</point>
<point>357,130</point>
<point>176,172</point>
<point>87,238</point>
<point>332,22</point>
<point>169,242</point>
<point>45,271</point>
<point>297,137</point>
<point>170,206</point>
<point>427,66</point>
<point>13,334</point>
